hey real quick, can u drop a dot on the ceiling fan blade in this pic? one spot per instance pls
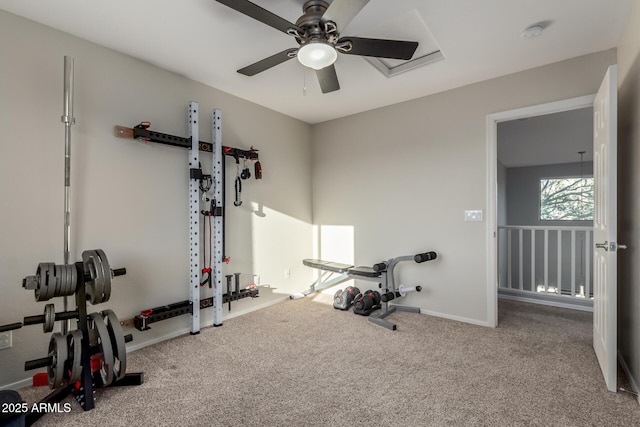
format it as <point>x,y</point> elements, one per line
<point>328,79</point>
<point>343,11</point>
<point>256,12</point>
<point>380,48</point>
<point>265,64</point>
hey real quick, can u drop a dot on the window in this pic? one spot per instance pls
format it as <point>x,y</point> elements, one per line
<point>566,199</point>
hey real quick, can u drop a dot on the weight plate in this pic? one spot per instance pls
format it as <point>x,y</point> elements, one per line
<point>94,288</point>
<point>49,318</point>
<point>74,343</point>
<point>58,351</point>
<point>73,280</point>
<point>61,280</point>
<point>40,291</point>
<point>117,343</point>
<point>87,265</point>
<point>99,280</point>
<point>106,270</point>
<point>49,281</point>
<point>105,351</point>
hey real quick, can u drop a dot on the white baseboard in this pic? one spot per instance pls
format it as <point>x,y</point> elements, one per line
<point>546,302</point>
<point>627,372</point>
<point>457,318</point>
<point>18,384</point>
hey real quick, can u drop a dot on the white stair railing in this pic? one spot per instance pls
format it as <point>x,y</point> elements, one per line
<point>543,259</point>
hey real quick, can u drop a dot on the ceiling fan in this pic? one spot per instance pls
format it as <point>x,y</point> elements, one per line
<point>317,33</point>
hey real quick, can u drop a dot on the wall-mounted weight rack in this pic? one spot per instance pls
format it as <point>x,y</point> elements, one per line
<point>197,179</point>
<point>152,315</point>
<point>95,354</point>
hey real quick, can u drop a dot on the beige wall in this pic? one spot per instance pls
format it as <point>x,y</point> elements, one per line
<point>403,176</point>
<point>628,194</point>
<point>130,198</point>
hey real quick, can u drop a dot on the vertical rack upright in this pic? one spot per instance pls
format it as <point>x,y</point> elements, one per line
<point>218,232</point>
<point>194,218</point>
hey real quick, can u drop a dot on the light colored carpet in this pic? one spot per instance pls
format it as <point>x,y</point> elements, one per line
<point>303,363</point>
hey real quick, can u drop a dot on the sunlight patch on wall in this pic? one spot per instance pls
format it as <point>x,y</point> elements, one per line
<point>337,243</point>
<point>334,243</point>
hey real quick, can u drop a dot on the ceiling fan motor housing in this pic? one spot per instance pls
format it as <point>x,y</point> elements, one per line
<point>313,26</point>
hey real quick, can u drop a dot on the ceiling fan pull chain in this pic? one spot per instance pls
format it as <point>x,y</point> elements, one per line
<point>304,81</point>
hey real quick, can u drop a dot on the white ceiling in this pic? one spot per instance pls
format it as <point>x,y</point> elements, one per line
<point>207,42</point>
<point>547,139</point>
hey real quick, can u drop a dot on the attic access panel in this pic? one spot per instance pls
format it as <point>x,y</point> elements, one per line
<point>408,25</point>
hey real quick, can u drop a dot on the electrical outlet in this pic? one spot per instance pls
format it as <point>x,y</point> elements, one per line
<point>5,340</point>
<point>287,273</point>
<point>127,323</point>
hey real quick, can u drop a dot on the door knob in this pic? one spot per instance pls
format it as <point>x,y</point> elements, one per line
<point>613,246</point>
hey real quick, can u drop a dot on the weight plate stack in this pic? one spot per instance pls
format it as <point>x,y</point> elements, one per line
<point>55,281</point>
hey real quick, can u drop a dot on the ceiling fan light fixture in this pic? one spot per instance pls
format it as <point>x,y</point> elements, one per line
<point>317,55</point>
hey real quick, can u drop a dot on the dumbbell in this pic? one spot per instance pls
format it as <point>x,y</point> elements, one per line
<point>366,301</point>
<point>343,299</point>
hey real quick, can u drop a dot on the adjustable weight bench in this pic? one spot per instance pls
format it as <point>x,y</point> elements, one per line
<point>334,273</point>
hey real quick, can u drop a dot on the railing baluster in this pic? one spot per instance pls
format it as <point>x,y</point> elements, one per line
<point>573,263</point>
<point>520,251</point>
<point>587,271</point>
<point>509,258</point>
<point>533,260</point>
<point>546,261</point>
<point>559,285</point>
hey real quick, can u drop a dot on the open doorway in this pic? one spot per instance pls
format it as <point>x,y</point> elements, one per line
<point>545,200</point>
<point>497,214</point>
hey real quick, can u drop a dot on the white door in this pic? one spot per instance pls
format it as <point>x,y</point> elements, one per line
<point>605,114</point>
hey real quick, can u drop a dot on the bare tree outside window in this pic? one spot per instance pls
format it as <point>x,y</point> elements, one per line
<point>566,199</point>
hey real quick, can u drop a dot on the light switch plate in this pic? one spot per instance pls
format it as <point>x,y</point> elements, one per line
<point>473,215</point>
